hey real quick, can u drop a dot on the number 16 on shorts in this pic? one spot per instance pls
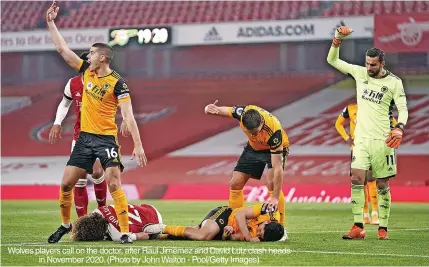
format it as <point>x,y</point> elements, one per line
<point>110,157</point>
<point>111,153</point>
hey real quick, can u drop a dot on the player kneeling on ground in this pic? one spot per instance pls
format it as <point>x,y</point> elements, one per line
<point>251,224</point>
<point>102,223</point>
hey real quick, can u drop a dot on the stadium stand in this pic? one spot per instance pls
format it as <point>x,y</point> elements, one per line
<point>80,14</point>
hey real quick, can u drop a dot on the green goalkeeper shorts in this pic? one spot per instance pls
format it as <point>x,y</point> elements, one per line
<point>374,154</point>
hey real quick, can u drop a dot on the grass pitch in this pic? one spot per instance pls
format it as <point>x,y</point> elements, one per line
<point>314,231</point>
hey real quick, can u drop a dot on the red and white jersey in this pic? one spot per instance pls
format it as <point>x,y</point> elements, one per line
<point>138,216</point>
<point>73,91</point>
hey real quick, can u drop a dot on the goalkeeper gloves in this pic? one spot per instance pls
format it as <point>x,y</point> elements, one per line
<point>340,34</point>
<point>395,136</point>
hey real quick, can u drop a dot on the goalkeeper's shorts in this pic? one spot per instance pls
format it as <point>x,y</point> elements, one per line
<point>375,155</point>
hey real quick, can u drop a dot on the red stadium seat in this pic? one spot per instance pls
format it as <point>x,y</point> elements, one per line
<point>82,14</point>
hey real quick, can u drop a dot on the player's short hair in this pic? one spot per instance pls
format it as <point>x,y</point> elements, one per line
<point>106,50</point>
<point>273,231</point>
<point>251,119</point>
<point>375,52</point>
<point>91,227</point>
<point>84,56</point>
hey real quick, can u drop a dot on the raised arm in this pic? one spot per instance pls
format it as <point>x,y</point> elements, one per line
<point>333,56</point>
<point>60,44</point>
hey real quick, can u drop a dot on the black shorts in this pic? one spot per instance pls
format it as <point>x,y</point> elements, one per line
<point>253,162</point>
<point>89,147</point>
<point>220,215</point>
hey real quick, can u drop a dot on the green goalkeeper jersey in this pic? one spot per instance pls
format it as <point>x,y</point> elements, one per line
<point>376,98</point>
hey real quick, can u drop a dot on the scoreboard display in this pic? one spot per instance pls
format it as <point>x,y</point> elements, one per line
<point>142,36</point>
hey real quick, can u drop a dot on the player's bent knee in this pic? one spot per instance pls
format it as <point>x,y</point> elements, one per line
<point>113,181</point>
<point>66,187</point>
<point>71,176</point>
<point>238,181</point>
<point>235,186</point>
<point>97,170</point>
<point>358,176</point>
<point>114,184</point>
<point>382,183</point>
<point>97,173</point>
<point>357,180</point>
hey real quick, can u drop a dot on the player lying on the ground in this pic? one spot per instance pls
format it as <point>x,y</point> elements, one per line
<point>102,223</point>
<point>224,223</point>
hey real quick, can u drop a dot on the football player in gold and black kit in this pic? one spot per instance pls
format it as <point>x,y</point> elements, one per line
<point>268,145</point>
<point>103,91</point>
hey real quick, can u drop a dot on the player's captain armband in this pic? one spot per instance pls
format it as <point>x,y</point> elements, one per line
<point>275,140</point>
<point>124,97</point>
<point>237,111</point>
<point>84,65</point>
<point>122,91</point>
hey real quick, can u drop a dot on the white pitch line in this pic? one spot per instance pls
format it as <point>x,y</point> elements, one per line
<point>34,244</point>
<point>292,232</point>
<point>358,253</point>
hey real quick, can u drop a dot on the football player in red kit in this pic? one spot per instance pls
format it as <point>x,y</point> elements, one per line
<point>102,224</point>
<point>73,93</point>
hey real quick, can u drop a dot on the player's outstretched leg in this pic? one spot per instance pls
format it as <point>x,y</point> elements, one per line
<point>208,230</point>
<point>70,177</point>
<point>358,179</point>
<point>81,197</point>
<point>384,203</point>
<point>120,202</point>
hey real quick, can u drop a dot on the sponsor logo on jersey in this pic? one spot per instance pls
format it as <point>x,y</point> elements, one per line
<point>373,96</point>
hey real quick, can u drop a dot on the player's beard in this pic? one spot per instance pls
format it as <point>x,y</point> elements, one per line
<point>374,73</point>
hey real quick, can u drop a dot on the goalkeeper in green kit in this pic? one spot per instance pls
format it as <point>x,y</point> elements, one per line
<point>377,92</point>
